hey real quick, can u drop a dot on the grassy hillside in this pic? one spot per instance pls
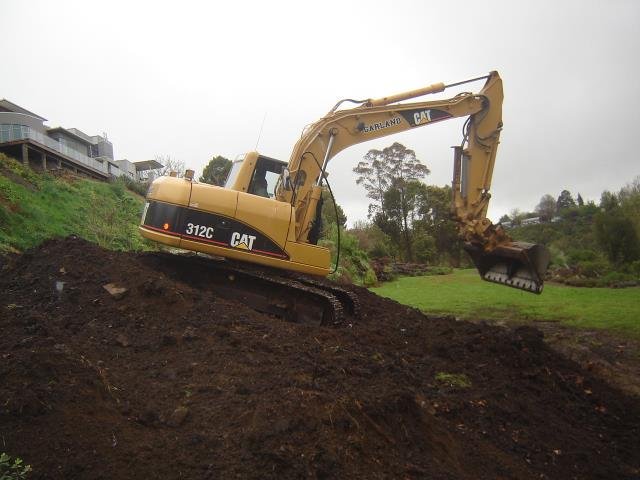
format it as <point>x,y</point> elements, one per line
<point>464,295</point>
<point>35,207</point>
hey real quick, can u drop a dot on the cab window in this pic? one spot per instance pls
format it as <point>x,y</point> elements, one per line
<point>233,173</point>
<point>265,177</point>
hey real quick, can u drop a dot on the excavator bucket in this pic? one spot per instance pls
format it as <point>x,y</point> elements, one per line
<point>515,264</point>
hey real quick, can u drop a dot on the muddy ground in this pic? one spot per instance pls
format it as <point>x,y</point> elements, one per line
<point>169,380</point>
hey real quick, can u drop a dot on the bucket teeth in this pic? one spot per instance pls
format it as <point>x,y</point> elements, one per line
<point>515,264</point>
<point>516,282</point>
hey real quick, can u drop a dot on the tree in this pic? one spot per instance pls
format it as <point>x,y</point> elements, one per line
<point>504,219</point>
<point>617,237</point>
<point>629,197</point>
<point>373,240</point>
<point>373,175</point>
<point>609,201</point>
<point>329,212</point>
<point>434,220</point>
<point>546,208</point>
<point>385,175</point>
<point>580,201</point>
<point>216,171</point>
<point>516,216</point>
<point>400,205</point>
<point>565,201</point>
<point>168,165</point>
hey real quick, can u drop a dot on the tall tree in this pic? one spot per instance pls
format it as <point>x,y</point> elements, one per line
<point>580,201</point>
<point>565,201</point>
<point>216,171</point>
<point>546,208</point>
<point>385,175</point>
<point>434,220</point>
<point>373,175</point>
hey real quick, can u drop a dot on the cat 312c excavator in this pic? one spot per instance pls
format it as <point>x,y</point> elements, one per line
<point>268,212</point>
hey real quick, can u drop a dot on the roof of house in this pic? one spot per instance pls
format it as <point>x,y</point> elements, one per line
<point>6,105</point>
<point>147,165</point>
<point>70,133</point>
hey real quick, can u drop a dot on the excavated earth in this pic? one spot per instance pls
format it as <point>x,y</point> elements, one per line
<point>169,380</point>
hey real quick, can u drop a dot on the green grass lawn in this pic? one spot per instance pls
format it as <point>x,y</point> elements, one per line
<point>465,295</point>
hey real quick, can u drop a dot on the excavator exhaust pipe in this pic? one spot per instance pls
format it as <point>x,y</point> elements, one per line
<point>515,264</point>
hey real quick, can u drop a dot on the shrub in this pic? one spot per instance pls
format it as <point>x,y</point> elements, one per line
<point>580,255</point>
<point>12,470</point>
<point>439,270</point>
<point>632,268</point>
<point>618,237</point>
<point>380,250</point>
<point>593,268</point>
<point>118,188</point>
<point>130,184</point>
<point>582,282</point>
<point>616,278</point>
<point>558,257</point>
<point>424,248</point>
<point>354,264</point>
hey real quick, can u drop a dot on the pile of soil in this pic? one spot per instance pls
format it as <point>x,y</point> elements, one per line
<point>168,380</point>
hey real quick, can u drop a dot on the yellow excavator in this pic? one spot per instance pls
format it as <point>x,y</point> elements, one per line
<point>268,211</point>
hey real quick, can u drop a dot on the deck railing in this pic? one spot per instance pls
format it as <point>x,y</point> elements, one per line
<point>20,132</point>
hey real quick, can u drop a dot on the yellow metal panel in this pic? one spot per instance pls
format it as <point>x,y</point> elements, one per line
<point>210,198</point>
<point>171,240</point>
<point>269,216</point>
<point>244,255</point>
<point>246,172</point>
<point>310,255</point>
<point>170,190</point>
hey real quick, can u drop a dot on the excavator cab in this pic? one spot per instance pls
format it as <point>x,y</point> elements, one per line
<point>255,174</point>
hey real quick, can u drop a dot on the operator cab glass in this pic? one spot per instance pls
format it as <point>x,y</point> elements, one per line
<point>265,176</point>
<point>233,173</point>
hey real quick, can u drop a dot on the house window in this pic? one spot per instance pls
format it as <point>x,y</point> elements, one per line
<point>9,132</point>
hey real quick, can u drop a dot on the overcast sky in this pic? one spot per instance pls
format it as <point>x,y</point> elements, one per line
<point>195,79</point>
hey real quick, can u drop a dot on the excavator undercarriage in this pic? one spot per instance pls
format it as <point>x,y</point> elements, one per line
<point>287,295</point>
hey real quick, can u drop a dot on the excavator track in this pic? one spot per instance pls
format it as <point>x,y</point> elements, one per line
<point>349,300</point>
<point>295,299</point>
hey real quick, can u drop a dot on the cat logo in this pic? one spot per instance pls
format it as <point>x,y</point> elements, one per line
<point>422,117</point>
<point>242,240</point>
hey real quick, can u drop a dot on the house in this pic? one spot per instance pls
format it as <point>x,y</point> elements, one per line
<point>531,221</point>
<point>24,135</point>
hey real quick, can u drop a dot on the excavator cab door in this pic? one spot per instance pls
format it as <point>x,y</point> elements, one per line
<point>265,176</point>
<point>255,174</point>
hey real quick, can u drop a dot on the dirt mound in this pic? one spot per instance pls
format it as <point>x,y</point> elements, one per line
<point>169,380</point>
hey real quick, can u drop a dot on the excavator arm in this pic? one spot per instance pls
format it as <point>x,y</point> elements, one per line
<point>496,256</point>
